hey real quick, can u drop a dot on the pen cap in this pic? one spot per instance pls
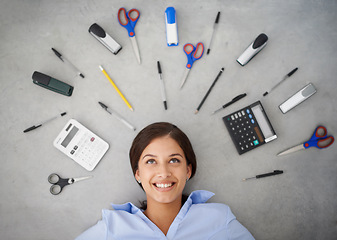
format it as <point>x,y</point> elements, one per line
<point>171,27</point>
<point>254,48</point>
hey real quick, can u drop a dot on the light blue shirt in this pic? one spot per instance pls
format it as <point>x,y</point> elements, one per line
<point>195,220</point>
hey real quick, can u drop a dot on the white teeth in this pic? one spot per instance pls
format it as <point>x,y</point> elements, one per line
<point>162,185</point>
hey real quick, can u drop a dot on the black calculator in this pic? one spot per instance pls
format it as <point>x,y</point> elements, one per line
<point>249,127</point>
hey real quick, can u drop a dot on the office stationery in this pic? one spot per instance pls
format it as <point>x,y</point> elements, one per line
<point>254,48</point>
<point>209,90</point>
<point>319,139</point>
<point>283,79</point>
<point>298,98</point>
<point>59,183</point>
<point>237,98</point>
<point>171,27</point>
<point>276,172</point>
<point>81,145</point>
<point>103,37</point>
<point>39,125</point>
<point>52,84</point>
<point>214,28</point>
<point>249,127</point>
<point>63,59</point>
<point>193,54</point>
<point>162,86</point>
<point>128,20</point>
<point>106,108</point>
<point>116,88</point>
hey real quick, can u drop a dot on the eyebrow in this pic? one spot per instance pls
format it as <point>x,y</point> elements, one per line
<point>172,155</point>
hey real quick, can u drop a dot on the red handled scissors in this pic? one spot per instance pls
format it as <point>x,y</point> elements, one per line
<point>193,54</point>
<point>129,20</point>
<point>319,140</point>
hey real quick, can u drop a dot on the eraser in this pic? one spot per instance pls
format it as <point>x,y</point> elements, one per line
<point>171,27</point>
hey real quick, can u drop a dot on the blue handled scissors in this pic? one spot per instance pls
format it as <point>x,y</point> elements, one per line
<point>59,183</point>
<point>193,54</point>
<point>319,140</point>
<point>129,20</point>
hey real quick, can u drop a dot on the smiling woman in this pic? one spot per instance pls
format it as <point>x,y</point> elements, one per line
<point>162,161</point>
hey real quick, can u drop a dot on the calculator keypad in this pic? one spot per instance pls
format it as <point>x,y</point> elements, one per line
<point>244,130</point>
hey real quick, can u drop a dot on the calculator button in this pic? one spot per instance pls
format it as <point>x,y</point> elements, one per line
<point>72,152</point>
<point>75,147</point>
<point>232,117</point>
<point>236,116</point>
<point>243,113</point>
<point>252,121</point>
<point>256,142</point>
<point>250,116</point>
<point>248,111</point>
<point>92,139</point>
<point>239,114</point>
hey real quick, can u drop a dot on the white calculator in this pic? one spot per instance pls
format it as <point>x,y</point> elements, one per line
<point>81,145</point>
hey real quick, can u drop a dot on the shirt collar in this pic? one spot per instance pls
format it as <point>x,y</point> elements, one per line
<point>196,197</point>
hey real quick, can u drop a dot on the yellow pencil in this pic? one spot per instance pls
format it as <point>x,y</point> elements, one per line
<point>116,88</point>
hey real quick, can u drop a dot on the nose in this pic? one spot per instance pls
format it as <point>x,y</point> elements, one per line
<point>164,171</point>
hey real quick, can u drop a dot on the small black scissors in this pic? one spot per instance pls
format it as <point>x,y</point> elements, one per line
<point>59,183</point>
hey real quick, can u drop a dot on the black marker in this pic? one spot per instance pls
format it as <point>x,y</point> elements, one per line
<point>237,98</point>
<point>276,172</point>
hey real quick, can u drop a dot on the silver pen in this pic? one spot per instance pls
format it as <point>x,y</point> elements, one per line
<point>126,123</point>
<point>162,87</point>
<point>63,59</point>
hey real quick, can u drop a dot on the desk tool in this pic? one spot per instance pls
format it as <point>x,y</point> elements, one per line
<point>298,98</point>
<point>104,38</point>
<point>59,183</point>
<point>276,172</point>
<point>193,54</point>
<point>116,88</point>
<point>126,123</point>
<point>254,48</point>
<point>319,139</point>
<point>283,79</point>
<point>63,59</point>
<point>162,86</point>
<point>81,145</point>
<point>209,90</point>
<point>214,28</point>
<point>39,125</point>
<point>128,20</point>
<point>52,84</point>
<point>249,127</point>
<point>237,98</point>
<point>171,27</point>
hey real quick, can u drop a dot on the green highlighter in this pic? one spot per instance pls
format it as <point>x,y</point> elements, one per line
<point>52,84</point>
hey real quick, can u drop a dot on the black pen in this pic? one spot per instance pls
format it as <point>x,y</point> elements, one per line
<point>209,90</point>
<point>237,98</point>
<point>214,27</point>
<point>162,86</point>
<point>63,59</point>
<point>39,125</point>
<point>284,78</point>
<point>276,172</point>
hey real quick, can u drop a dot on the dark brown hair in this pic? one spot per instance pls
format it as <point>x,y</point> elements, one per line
<point>156,130</point>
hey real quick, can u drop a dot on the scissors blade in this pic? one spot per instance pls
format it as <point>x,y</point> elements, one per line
<point>291,150</point>
<point>80,179</point>
<point>135,48</point>
<point>187,71</point>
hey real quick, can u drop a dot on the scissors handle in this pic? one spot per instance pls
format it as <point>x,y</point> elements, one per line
<point>58,183</point>
<point>128,19</point>
<point>320,143</point>
<point>193,53</point>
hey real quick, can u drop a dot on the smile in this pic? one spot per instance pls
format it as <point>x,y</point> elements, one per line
<point>163,185</point>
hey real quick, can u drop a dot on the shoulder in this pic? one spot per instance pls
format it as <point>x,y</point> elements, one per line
<point>217,211</point>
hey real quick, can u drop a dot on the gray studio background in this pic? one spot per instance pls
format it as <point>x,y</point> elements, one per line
<point>299,204</point>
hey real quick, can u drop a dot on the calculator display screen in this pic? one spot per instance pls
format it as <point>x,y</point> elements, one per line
<point>262,121</point>
<point>70,136</point>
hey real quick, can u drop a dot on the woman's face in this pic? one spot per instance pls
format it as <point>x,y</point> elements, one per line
<point>163,170</point>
